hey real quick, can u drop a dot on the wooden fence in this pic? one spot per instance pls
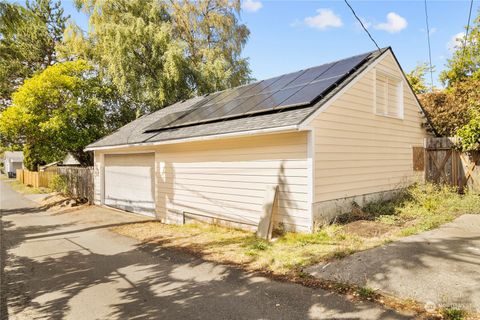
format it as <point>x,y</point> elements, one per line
<point>445,164</point>
<point>35,179</point>
<point>79,181</point>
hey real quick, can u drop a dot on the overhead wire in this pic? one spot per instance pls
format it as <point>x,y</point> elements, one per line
<point>468,28</point>
<point>429,46</point>
<point>361,23</point>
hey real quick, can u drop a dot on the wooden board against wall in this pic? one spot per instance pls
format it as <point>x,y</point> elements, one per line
<point>418,158</point>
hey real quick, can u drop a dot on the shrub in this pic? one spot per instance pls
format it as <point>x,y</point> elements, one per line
<point>470,132</point>
<point>450,110</point>
<point>260,245</point>
<point>366,292</point>
<point>58,184</point>
<point>451,313</point>
<point>424,206</point>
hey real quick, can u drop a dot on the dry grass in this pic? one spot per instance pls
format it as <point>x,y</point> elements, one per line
<point>20,187</point>
<point>286,255</point>
<point>281,259</point>
<point>417,209</point>
<point>423,207</point>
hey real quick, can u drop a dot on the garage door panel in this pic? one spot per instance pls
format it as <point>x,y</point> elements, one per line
<point>129,182</point>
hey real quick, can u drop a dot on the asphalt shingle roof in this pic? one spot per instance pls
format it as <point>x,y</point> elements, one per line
<point>134,132</point>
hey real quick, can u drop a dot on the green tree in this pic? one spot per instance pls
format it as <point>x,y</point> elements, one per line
<point>57,111</point>
<point>449,110</point>
<point>28,36</point>
<point>214,40</point>
<point>416,77</point>
<point>465,61</point>
<point>470,132</point>
<point>159,52</point>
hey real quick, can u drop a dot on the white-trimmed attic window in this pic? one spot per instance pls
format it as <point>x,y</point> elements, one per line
<point>388,95</point>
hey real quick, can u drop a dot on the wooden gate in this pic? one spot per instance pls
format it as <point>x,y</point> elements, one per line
<point>445,164</point>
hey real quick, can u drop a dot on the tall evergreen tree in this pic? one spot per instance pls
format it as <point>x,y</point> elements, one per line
<point>28,36</point>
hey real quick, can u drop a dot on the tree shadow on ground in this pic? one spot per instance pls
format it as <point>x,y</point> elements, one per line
<point>426,267</point>
<point>142,281</point>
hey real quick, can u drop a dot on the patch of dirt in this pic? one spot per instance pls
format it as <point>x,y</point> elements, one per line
<point>53,200</point>
<point>61,204</point>
<point>368,229</point>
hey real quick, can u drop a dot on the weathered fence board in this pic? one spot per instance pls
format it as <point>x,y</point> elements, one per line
<point>79,181</point>
<point>445,164</point>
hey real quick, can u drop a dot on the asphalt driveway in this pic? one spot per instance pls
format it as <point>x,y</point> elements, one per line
<point>70,266</point>
<point>441,266</point>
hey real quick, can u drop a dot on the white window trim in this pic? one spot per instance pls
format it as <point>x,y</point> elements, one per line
<point>400,95</point>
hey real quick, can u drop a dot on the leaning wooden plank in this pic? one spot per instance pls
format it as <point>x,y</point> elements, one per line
<point>265,225</point>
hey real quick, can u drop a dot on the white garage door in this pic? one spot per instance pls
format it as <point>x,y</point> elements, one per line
<point>129,182</point>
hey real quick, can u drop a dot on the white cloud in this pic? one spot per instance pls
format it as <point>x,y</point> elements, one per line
<point>395,23</point>
<point>252,5</point>
<point>456,41</point>
<point>324,19</point>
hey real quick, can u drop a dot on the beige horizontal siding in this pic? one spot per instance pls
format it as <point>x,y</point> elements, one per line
<point>359,152</point>
<point>228,178</point>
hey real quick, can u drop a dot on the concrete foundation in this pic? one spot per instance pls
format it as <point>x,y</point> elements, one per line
<point>325,212</point>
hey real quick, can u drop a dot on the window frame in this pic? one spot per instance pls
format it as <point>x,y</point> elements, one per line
<point>400,93</point>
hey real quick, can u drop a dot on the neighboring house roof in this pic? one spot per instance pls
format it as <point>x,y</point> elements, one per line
<point>69,160</point>
<point>48,165</point>
<point>14,156</point>
<point>166,124</point>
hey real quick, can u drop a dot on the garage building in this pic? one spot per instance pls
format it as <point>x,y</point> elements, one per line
<point>327,136</point>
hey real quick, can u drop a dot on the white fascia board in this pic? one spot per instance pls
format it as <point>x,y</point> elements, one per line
<point>284,129</point>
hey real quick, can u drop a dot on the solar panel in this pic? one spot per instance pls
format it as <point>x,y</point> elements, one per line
<point>309,92</point>
<point>311,74</point>
<point>290,90</point>
<point>283,81</point>
<point>203,113</point>
<point>244,107</point>
<point>274,100</point>
<point>344,66</point>
<point>227,108</point>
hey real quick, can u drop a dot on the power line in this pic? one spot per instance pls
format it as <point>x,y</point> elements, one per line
<point>429,47</point>
<point>361,23</point>
<point>468,28</point>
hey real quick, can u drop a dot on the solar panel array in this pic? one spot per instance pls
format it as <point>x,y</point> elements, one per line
<point>290,90</point>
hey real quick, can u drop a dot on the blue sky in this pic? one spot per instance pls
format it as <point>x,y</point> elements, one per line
<point>292,35</point>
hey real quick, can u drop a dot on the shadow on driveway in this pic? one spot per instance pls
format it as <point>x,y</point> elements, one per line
<point>71,266</point>
<point>440,266</point>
